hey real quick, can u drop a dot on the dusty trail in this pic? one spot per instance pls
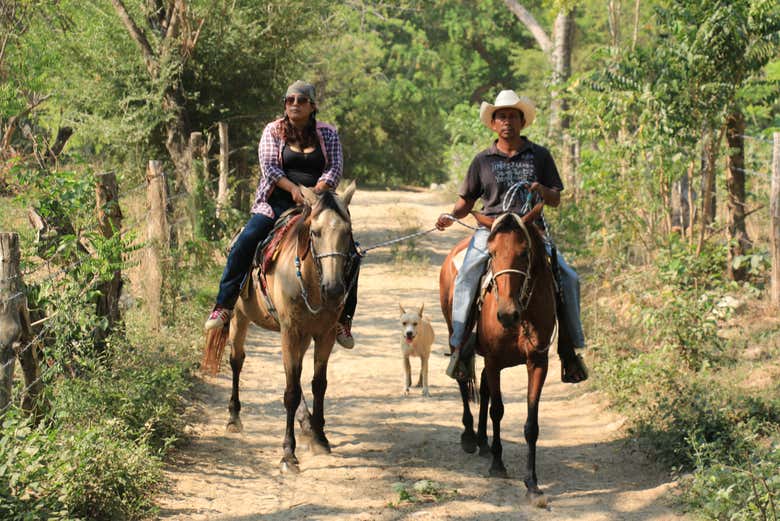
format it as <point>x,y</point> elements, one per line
<point>381,438</point>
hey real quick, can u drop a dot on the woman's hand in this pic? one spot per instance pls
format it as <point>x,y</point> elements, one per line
<point>297,195</point>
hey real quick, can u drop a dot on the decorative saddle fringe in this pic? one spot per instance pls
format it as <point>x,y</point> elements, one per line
<point>216,339</point>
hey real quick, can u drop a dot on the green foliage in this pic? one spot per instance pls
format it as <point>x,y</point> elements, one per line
<point>745,490</point>
<point>661,357</point>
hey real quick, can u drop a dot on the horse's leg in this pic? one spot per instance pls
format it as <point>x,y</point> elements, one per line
<point>468,440</point>
<point>319,384</point>
<point>497,469</point>
<point>484,401</point>
<point>303,416</point>
<point>537,372</point>
<point>292,356</point>
<point>236,338</point>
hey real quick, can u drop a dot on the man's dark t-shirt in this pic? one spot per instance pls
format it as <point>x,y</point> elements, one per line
<point>492,173</point>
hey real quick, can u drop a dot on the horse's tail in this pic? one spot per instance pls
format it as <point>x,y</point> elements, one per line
<point>472,391</point>
<point>471,388</point>
<point>216,339</point>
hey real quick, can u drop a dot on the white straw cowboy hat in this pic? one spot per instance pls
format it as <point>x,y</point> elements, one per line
<point>507,99</point>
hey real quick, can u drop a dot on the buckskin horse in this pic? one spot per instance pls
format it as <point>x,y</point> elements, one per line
<point>514,326</point>
<point>307,284</point>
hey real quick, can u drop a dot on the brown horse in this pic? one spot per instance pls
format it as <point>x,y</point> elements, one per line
<point>514,326</point>
<point>307,285</point>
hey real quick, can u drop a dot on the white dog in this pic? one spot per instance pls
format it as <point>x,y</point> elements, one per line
<point>416,340</point>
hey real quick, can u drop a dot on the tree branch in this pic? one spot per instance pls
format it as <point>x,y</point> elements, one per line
<point>530,22</point>
<point>138,36</point>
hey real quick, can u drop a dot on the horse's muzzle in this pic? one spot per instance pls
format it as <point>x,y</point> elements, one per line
<point>509,319</point>
<point>333,291</point>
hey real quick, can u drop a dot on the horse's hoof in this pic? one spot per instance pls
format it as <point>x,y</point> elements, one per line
<point>468,442</point>
<point>289,466</point>
<point>426,393</point>
<point>319,446</point>
<point>406,392</point>
<point>498,471</point>
<point>536,498</point>
<point>484,450</point>
<point>234,426</point>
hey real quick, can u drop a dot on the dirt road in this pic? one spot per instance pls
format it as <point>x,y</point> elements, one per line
<point>394,456</point>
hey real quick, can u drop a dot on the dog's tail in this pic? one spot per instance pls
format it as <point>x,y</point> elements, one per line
<point>216,339</point>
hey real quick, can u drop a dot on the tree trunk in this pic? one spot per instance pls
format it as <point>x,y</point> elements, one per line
<point>158,242</point>
<point>708,200</point>
<point>774,212</point>
<point>109,217</point>
<point>739,240</point>
<point>613,14</point>
<point>560,121</point>
<point>224,152</point>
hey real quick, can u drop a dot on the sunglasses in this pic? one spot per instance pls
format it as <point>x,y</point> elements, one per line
<point>300,100</point>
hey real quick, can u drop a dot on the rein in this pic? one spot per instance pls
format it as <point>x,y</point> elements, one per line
<point>363,251</point>
<point>317,257</point>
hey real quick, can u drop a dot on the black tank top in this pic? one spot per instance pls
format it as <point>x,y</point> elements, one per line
<point>302,168</point>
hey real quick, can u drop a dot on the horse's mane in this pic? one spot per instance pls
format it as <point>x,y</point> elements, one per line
<point>300,231</point>
<point>328,201</point>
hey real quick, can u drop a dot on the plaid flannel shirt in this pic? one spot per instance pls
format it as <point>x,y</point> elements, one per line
<point>270,151</point>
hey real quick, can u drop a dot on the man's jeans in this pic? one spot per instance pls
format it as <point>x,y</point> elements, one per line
<point>467,285</point>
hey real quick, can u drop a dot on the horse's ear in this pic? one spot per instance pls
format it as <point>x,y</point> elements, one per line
<point>403,311</point>
<point>421,309</point>
<point>348,193</point>
<point>309,195</point>
<point>484,220</point>
<point>534,213</point>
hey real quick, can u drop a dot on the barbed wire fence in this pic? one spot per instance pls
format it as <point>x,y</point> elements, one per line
<point>164,213</point>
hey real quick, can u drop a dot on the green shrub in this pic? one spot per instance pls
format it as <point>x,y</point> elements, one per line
<point>746,490</point>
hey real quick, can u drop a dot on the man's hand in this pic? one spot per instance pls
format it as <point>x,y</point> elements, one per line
<point>550,196</point>
<point>444,221</point>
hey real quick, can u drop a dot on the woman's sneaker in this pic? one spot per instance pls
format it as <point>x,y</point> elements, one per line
<point>344,334</point>
<point>219,318</point>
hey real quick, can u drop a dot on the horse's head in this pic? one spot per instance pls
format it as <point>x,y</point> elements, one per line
<point>330,239</point>
<point>514,246</point>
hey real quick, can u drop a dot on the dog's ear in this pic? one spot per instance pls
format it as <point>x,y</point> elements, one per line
<point>421,309</point>
<point>403,311</point>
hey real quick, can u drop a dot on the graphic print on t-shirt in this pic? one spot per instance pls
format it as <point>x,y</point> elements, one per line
<point>508,173</point>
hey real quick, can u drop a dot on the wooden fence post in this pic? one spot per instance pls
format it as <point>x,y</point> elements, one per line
<point>109,217</point>
<point>774,210</point>
<point>158,240</point>
<point>224,150</point>
<point>15,328</point>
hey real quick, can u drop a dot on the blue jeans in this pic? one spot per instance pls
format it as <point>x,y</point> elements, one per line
<point>242,253</point>
<point>240,258</point>
<point>467,285</point>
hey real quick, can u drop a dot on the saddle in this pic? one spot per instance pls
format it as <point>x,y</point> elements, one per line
<point>266,254</point>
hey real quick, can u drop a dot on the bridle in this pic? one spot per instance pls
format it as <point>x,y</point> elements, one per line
<point>526,291</point>
<point>349,263</point>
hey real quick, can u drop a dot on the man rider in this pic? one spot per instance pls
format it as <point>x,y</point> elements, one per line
<point>495,175</point>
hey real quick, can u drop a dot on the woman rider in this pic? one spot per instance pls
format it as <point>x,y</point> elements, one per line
<point>295,151</point>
